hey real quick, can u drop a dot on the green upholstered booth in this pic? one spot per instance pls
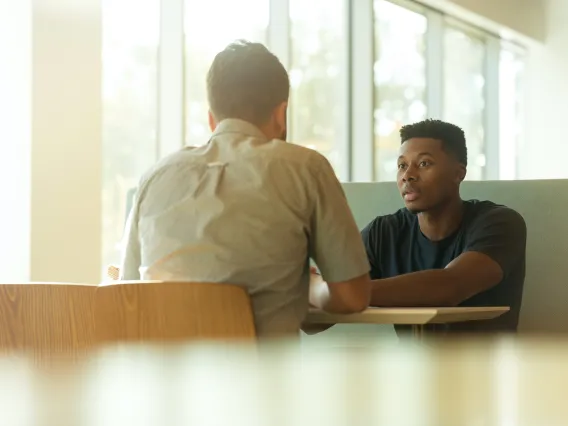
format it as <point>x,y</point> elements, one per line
<point>543,204</point>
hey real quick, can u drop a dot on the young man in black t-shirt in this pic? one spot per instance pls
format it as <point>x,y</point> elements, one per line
<point>441,250</point>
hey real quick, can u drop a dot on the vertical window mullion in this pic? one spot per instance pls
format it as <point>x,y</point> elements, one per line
<point>279,36</point>
<point>362,90</point>
<point>491,112</point>
<point>435,64</point>
<point>345,141</point>
<point>171,70</point>
<point>279,30</point>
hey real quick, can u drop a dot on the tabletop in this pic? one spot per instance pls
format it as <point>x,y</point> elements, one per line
<point>414,316</point>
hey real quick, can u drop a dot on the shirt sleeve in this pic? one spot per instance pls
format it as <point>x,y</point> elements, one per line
<point>335,242</point>
<point>131,256</point>
<point>369,236</point>
<point>500,234</point>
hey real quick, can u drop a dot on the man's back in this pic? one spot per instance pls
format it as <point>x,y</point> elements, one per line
<point>238,210</point>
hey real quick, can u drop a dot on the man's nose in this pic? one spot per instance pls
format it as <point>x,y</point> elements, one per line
<point>409,175</point>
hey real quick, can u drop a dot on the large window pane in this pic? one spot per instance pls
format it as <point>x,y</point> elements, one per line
<point>400,80</point>
<point>464,100</point>
<point>209,27</point>
<point>130,49</point>
<point>317,74</point>
<point>511,70</point>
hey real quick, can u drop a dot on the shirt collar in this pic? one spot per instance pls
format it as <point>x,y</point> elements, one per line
<point>235,125</point>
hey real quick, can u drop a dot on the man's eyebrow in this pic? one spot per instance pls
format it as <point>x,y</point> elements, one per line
<point>421,154</point>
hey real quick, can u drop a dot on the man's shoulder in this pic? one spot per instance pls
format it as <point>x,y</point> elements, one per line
<point>296,154</point>
<point>396,222</point>
<point>169,170</point>
<point>488,212</point>
<point>164,163</point>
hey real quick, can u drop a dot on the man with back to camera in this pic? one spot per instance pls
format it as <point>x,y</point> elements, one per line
<point>248,208</point>
<point>440,250</point>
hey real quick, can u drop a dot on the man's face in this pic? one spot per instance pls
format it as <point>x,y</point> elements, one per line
<point>427,176</point>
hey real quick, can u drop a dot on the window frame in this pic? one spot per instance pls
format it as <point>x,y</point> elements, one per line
<point>519,51</point>
<point>358,125</point>
<point>171,78</point>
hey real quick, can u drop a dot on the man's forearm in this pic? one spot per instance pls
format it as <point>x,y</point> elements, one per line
<point>434,287</point>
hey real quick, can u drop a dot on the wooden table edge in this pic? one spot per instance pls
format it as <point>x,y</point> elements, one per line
<point>429,315</point>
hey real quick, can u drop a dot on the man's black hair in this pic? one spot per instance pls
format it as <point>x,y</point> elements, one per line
<point>451,136</point>
<point>246,81</point>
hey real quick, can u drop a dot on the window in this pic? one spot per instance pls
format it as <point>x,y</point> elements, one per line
<point>400,80</point>
<point>209,27</point>
<point>417,62</point>
<point>129,109</point>
<point>464,89</point>
<point>318,78</point>
<point>511,70</point>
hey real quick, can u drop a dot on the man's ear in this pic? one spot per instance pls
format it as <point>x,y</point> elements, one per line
<point>462,171</point>
<point>281,117</point>
<point>212,121</point>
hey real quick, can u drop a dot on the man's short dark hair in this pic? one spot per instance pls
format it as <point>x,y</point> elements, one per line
<point>246,81</point>
<point>451,136</point>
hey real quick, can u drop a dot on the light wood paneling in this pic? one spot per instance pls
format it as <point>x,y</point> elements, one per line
<point>47,319</point>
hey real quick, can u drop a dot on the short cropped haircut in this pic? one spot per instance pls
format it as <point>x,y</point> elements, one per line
<point>451,136</point>
<point>246,81</point>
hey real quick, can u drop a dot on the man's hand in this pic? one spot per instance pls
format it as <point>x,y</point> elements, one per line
<point>319,290</point>
<point>313,276</point>
<point>315,280</point>
<point>345,297</point>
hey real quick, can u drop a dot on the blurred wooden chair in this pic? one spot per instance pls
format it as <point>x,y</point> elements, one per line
<point>155,311</point>
<point>47,320</point>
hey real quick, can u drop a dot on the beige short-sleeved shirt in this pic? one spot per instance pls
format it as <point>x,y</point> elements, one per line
<point>248,211</point>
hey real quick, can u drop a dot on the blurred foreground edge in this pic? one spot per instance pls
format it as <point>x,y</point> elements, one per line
<point>487,381</point>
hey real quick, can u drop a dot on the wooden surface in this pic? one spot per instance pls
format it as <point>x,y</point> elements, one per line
<point>170,312</point>
<point>416,316</point>
<point>499,383</point>
<point>46,319</point>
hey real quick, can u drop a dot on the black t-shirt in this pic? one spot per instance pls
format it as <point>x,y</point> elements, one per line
<point>395,245</point>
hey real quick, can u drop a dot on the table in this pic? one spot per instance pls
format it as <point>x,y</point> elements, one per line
<point>417,317</point>
<point>496,382</point>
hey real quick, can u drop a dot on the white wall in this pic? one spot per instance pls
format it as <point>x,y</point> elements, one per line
<point>545,151</point>
<point>525,17</point>
<point>66,144</point>
<point>50,108</point>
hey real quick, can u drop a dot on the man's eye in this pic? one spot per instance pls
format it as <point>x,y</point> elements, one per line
<point>401,166</point>
<point>424,163</point>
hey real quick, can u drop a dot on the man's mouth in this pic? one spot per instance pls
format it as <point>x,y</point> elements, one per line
<point>410,194</point>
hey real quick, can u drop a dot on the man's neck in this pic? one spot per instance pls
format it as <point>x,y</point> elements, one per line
<point>443,221</point>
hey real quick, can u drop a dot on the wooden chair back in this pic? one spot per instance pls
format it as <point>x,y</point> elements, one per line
<point>156,311</point>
